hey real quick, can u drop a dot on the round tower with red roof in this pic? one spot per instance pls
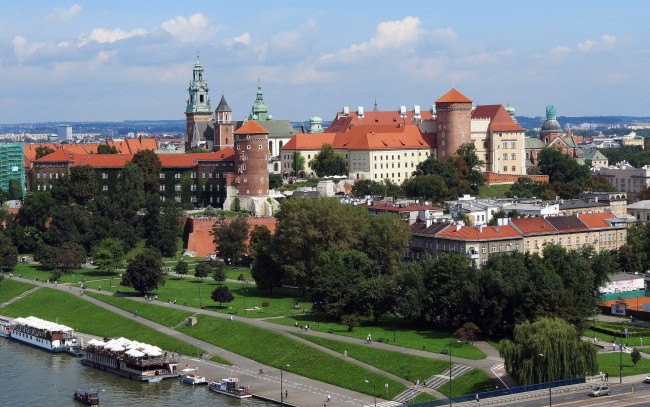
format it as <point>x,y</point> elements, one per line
<point>453,123</point>
<point>251,160</point>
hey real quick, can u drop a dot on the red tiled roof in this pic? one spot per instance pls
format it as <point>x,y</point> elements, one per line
<point>500,120</point>
<point>382,118</point>
<point>566,223</point>
<point>304,141</point>
<point>187,160</point>
<point>118,160</point>
<point>58,156</point>
<point>472,233</point>
<point>251,127</point>
<point>596,220</point>
<point>453,96</point>
<point>530,226</point>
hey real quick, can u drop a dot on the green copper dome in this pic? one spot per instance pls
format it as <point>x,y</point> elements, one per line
<point>260,110</point>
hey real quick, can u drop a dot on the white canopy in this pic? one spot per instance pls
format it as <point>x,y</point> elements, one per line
<point>42,324</point>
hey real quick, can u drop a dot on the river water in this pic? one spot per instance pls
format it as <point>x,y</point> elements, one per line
<point>34,377</point>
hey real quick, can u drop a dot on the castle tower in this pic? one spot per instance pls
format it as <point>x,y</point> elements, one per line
<point>454,116</point>
<point>251,160</point>
<point>551,129</point>
<point>223,126</point>
<point>198,106</point>
<point>260,110</point>
<point>315,125</point>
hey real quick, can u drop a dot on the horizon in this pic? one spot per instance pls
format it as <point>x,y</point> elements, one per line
<point>94,62</point>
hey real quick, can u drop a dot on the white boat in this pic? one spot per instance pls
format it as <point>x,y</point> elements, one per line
<point>135,360</point>
<point>43,334</point>
<point>189,376</point>
<point>5,329</point>
<point>230,387</point>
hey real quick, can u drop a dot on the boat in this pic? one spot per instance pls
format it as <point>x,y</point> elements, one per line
<point>189,376</point>
<point>43,334</point>
<point>230,387</point>
<point>132,359</point>
<point>5,327</point>
<point>88,397</point>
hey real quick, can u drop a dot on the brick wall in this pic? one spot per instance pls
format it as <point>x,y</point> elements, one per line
<point>200,239</point>
<point>492,178</point>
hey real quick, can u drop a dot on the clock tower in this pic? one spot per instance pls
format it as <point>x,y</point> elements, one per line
<point>198,107</point>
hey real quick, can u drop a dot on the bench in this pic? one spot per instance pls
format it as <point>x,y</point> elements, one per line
<point>330,331</point>
<point>382,340</point>
<point>444,351</point>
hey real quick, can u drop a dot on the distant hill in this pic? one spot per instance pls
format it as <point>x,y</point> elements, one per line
<point>533,122</point>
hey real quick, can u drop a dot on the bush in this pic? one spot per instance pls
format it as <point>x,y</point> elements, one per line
<point>265,304</point>
<point>351,320</point>
<point>55,275</point>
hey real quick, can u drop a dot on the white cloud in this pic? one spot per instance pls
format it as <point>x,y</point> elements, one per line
<point>63,14</point>
<point>586,46</point>
<point>607,42</point>
<point>244,39</point>
<point>22,49</point>
<point>194,28</point>
<point>560,49</point>
<point>109,36</point>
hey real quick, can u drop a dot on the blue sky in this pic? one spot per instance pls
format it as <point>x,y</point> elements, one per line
<point>126,60</point>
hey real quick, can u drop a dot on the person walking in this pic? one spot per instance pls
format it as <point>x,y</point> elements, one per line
<point>286,394</point>
<point>328,397</point>
<point>606,376</point>
<point>477,399</point>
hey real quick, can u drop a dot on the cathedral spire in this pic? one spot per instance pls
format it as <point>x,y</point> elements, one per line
<point>260,110</point>
<point>198,101</point>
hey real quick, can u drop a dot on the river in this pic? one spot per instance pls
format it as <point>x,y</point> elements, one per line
<point>33,377</point>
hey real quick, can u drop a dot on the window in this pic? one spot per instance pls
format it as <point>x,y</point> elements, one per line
<point>259,147</point>
<point>505,156</point>
<point>505,144</point>
<point>483,250</point>
<point>500,248</point>
<point>494,249</point>
<point>513,156</point>
<point>162,188</point>
<point>104,175</point>
<point>568,241</point>
<point>177,188</point>
<point>513,144</point>
<point>193,174</point>
<point>517,247</point>
<point>105,188</point>
<point>203,175</point>
<point>161,175</point>
<point>177,175</point>
<point>248,146</point>
<point>514,168</point>
<point>578,240</point>
<point>505,168</point>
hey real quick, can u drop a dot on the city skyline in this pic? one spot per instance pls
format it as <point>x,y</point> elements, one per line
<point>88,61</point>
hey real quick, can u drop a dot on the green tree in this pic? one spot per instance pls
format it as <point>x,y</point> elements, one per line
<point>366,187</point>
<point>328,162</point>
<point>468,332</point>
<point>150,165</point>
<point>144,272</point>
<point>203,270</point>
<point>266,272</point>
<point>428,186</point>
<point>275,181</point>
<point>8,253</point>
<point>4,196</point>
<point>106,149</point>
<point>181,268</point>
<point>196,150</point>
<point>467,152</point>
<point>83,184</point>
<point>635,355</point>
<point>15,189</point>
<point>219,273</point>
<point>561,167</point>
<point>108,254</point>
<point>47,256</point>
<point>387,238</point>
<point>42,151</point>
<point>298,164</point>
<point>547,350</point>
<point>222,294</point>
<point>230,238</point>
<point>166,231</point>
<point>71,256</point>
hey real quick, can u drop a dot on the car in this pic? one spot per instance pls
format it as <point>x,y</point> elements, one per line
<point>599,391</point>
<point>647,378</point>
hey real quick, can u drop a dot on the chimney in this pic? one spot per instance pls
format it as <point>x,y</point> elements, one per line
<point>479,228</point>
<point>458,227</point>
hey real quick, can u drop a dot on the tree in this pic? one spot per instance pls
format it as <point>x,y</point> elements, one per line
<point>166,230</point>
<point>71,256</point>
<point>42,151</point>
<point>219,273</point>
<point>4,196</point>
<point>350,320</point>
<point>83,184</point>
<point>8,253</point>
<point>467,332</point>
<point>428,186</point>
<point>150,165</point>
<point>222,294</point>
<point>275,181</point>
<point>387,238</point>
<point>181,268</point>
<point>635,355</point>
<point>203,270</point>
<point>328,162</point>
<point>467,152</point>
<point>144,272</point>
<point>298,164</point>
<point>366,187</point>
<point>266,272</point>
<point>106,149</point>
<point>15,189</point>
<point>108,254</point>
<point>547,350</point>
<point>46,255</point>
<point>230,237</point>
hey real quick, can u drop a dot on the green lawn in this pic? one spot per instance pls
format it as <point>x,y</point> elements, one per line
<point>29,271</point>
<point>70,310</point>
<point>634,339</point>
<point>422,397</point>
<point>11,288</point>
<point>425,339</point>
<point>162,315</point>
<point>186,291</point>
<point>493,191</point>
<point>610,362</point>
<point>474,381</point>
<point>276,350</point>
<point>407,367</point>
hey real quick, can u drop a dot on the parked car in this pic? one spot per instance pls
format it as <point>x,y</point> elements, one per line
<point>599,391</point>
<point>647,378</point>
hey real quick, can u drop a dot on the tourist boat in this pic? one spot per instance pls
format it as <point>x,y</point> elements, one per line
<point>43,334</point>
<point>189,376</point>
<point>88,397</point>
<point>5,327</point>
<point>230,387</point>
<point>135,360</point>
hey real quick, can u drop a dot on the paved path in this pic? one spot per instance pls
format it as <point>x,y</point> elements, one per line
<point>306,392</point>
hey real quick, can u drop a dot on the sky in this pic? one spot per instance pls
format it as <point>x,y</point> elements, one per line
<point>132,60</point>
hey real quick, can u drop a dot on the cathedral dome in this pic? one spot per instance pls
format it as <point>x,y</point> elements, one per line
<point>551,124</point>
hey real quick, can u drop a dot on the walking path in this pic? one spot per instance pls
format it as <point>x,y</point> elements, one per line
<point>306,392</point>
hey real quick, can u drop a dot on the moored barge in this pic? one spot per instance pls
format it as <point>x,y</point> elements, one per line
<point>43,334</point>
<point>135,360</point>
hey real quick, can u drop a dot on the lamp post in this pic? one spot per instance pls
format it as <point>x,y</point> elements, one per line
<point>594,323</point>
<point>320,308</point>
<point>200,303</point>
<point>450,346</point>
<point>374,390</point>
<point>620,370</point>
<point>550,386</point>
<point>244,291</point>
<point>281,391</point>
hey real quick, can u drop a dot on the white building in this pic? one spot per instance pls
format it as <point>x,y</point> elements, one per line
<point>64,133</point>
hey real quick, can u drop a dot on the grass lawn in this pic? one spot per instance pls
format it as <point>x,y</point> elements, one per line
<point>162,315</point>
<point>474,381</point>
<point>11,288</point>
<point>634,339</point>
<point>186,291</point>
<point>493,191</point>
<point>83,316</point>
<point>29,271</point>
<point>422,397</point>
<point>423,339</point>
<point>407,367</point>
<point>496,345</point>
<point>137,249</point>
<point>276,350</point>
<point>609,363</point>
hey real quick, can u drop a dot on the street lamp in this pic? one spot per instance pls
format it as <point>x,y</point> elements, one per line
<point>320,307</point>
<point>200,303</point>
<point>450,345</point>
<point>550,386</point>
<point>244,291</point>
<point>281,391</point>
<point>374,390</point>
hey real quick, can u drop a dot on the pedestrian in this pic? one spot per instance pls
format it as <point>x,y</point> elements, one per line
<point>328,397</point>
<point>286,394</point>
<point>606,376</point>
<point>345,353</point>
<point>601,376</point>
<point>477,399</point>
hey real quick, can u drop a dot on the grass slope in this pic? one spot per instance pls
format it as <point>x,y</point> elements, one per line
<point>407,367</point>
<point>11,288</point>
<point>474,381</point>
<point>68,309</point>
<point>276,350</point>
<point>610,362</point>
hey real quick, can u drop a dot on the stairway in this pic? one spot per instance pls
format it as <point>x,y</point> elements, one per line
<point>20,296</point>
